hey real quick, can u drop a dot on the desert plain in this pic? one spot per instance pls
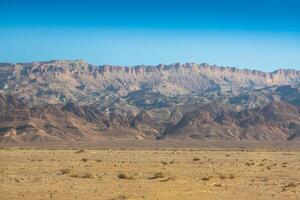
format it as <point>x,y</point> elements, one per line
<point>154,174</point>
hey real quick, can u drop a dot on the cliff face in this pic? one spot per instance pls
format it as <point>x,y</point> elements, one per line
<point>64,80</point>
<point>146,102</point>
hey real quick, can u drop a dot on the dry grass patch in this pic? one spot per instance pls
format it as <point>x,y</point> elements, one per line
<point>81,175</point>
<point>289,185</point>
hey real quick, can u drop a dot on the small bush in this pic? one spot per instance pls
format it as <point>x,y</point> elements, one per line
<point>157,175</point>
<point>249,164</point>
<point>81,175</point>
<point>64,171</point>
<point>196,159</point>
<point>231,176</point>
<point>121,197</point>
<point>167,179</point>
<point>217,184</point>
<point>289,185</point>
<point>222,176</point>
<point>206,178</point>
<point>81,151</point>
<point>164,162</point>
<point>124,176</point>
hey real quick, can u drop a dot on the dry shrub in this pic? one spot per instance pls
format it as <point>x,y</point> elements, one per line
<point>249,164</point>
<point>81,151</point>
<point>164,162</point>
<point>157,175</point>
<point>206,178</point>
<point>84,159</point>
<point>222,176</point>
<point>168,179</point>
<point>124,176</point>
<point>217,184</point>
<point>261,165</point>
<point>121,197</point>
<point>196,159</point>
<point>64,171</point>
<point>81,175</point>
<point>231,176</point>
<point>289,185</point>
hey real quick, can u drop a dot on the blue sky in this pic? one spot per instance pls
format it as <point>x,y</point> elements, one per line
<point>253,34</point>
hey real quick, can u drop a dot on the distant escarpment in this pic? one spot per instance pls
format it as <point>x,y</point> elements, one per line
<point>67,101</point>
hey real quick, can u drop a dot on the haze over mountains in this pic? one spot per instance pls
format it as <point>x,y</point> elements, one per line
<point>69,101</point>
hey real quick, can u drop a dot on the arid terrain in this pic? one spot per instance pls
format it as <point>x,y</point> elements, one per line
<point>178,131</point>
<point>149,174</point>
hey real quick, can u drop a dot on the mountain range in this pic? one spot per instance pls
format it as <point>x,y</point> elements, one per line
<point>63,101</point>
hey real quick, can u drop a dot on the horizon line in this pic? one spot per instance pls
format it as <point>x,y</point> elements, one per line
<point>151,65</point>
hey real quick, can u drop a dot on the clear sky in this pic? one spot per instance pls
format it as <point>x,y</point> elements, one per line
<point>252,34</point>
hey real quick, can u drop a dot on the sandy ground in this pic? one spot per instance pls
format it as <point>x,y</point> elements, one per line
<point>149,174</point>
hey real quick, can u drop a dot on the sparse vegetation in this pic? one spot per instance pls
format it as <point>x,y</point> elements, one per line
<point>64,171</point>
<point>206,178</point>
<point>222,176</point>
<point>196,159</point>
<point>157,175</point>
<point>217,184</point>
<point>167,179</point>
<point>121,197</point>
<point>139,174</point>
<point>164,163</point>
<point>81,175</point>
<point>289,185</point>
<point>84,159</point>
<point>81,151</point>
<point>229,176</point>
<point>251,163</point>
<point>124,176</point>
